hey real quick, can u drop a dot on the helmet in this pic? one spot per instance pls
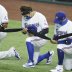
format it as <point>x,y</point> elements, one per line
<point>60,18</point>
<point>32,28</point>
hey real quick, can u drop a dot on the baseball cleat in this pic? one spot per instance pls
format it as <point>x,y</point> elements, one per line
<point>49,60</point>
<point>29,65</point>
<point>16,54</point>
<point>57,69</point>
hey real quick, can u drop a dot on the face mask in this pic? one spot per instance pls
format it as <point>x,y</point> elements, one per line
<point>27,17</point>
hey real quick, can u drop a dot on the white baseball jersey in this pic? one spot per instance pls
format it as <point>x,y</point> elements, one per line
<point>3,15</point>
<point>38,20</point>
<point>3,19</point>
<point>62,30</point>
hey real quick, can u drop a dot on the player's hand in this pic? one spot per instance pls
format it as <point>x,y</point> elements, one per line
<point>53,41</point>
<point>24,31</point>
<point>1,28</point>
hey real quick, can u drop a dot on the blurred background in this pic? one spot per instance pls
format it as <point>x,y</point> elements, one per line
<point>47,7</point>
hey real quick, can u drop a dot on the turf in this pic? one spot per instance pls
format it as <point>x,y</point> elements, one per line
<point>17,39</point>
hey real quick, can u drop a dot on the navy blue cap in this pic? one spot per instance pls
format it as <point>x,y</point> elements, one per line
<point>60,17</point>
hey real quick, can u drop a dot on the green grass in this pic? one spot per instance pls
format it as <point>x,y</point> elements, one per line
<point>17,40</point>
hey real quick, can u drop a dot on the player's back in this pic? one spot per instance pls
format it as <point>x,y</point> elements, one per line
<point>2,10</point>
<point>3,14</point>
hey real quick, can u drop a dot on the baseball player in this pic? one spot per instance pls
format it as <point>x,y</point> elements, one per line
<point>3,24</point>
<point>35,21</point>
<point>64,48</point>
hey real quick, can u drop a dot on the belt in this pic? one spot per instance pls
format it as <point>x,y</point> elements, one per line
<point>67,41</point>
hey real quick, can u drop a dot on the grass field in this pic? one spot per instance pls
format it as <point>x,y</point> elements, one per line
<point>17,40</point>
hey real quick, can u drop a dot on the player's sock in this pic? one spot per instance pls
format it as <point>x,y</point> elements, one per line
<point>60,56</point>
<point>29,61</point>
<point>30,49</point>
<point>44,56</point>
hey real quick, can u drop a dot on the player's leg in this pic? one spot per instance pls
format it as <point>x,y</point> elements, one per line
<point>67,64</point>
<point>49,60</point>
<point>36,54</point>
<point>68,59</point>
<point>60,56</point>
<point>61,52</point>
<point>33,48</point>
<point>38,43</point>
<point>37,57</point>
<point>10,53</point>
<point>3,54</point>
<point>13,53</point>
<point>30,49</point>
<point>59,67</point>
<point>45,56</point>
<point>2,35</point>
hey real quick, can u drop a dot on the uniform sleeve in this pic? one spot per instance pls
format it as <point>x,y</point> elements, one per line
<point>43,22</point>
<point>55,29</point>
<point>55,36</point>
<point>23,22</point>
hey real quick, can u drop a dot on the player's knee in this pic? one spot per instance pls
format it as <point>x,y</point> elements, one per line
<point>28,40</point>
<point>3,35</point>
<point>67,63</point>
<point>67,68</point>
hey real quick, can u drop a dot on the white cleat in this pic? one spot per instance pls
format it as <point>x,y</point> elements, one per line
<point>29,65</point>
<point>13,52</point>
<point>57,69</point>
<point>16,54</point>
<point>50,58</point>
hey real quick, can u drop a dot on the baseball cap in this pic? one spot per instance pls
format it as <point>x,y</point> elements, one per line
<point>60,18</point>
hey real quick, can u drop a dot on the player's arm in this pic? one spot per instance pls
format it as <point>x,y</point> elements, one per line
<point>24,31</point>
<point>5,25</point>
<point>28,31</point>
<point>44,31</point>
<point>43,24</point>
<point>53,41</point>
<point>4,21</point>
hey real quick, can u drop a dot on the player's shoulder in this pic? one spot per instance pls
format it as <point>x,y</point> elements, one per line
<point>40,15</point>
<point>1,5</point>
<point>3,9</point>
<point>70,23</point>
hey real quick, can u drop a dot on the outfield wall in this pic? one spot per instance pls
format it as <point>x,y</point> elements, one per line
<point>56,2</point>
